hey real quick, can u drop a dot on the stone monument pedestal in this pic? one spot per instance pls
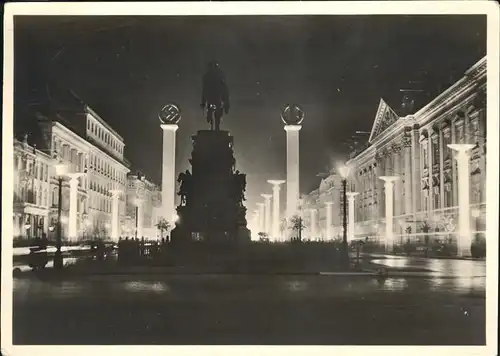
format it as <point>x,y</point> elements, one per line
<point>212,194</point>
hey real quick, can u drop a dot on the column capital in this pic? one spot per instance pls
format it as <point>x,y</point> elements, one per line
<point>169,127</point>
<point>396,147</point>
<point>276,182</point>
<point>463,148</point>
<point>389,179</point>
<point>292,128</point>
<point>351,195</point>
<point>75,176</point>
<point>329,203</point>
<point>406,141</point>
<point>266,196</point>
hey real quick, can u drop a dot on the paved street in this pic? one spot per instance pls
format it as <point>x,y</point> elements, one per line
<point>225,309</point>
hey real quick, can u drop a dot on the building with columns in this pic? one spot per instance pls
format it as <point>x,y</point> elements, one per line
<point>32,199</point>
<point>415,148</point>
<point>143,200</point>
<point>328,193</point>
<point>68,131</point>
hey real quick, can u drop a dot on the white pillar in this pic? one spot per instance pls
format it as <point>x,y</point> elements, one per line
<point>329,225</point>
<point>115,210</point>
<point>350,225</point>
<point>262,215</point>
<point>389,211</point>
<point>267,202</point>
<point>292,169</point>
<point>275,228</point>
<point>73,206</point>
<point>314,233</point>
<point>168,172</point>
<point>140,218</point>
<point>464,229</point>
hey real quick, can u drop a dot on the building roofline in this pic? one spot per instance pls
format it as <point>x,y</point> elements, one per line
<point>473,73</point>
<point>88,143</point>
<point>90,111</point>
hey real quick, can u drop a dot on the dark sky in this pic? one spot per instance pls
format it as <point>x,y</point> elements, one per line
<point>336,67</point>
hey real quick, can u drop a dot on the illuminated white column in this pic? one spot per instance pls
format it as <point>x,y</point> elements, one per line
<point>115,210</point>
<point>314,233</point>
<point>329,225</point>
<point>389,211</point>
<point>350,226</point>
<point>292,169</point>
<point>262,216</point>
<point>276,208</point>
<point>168,172</point>
<point>73,206</point>
<point>464,229</point>
<point>267,205</point>
<point>140,218</point>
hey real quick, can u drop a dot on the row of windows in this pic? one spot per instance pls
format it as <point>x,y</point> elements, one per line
<point>36,169</point>
<point>104,136</point>
<point>103,167</point>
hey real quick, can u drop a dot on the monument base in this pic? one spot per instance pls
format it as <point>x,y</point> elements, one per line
<point>212,208</point>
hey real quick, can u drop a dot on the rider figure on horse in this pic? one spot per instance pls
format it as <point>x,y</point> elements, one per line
<point>215,95</point>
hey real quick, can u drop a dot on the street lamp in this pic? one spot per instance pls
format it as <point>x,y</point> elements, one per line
<point>137,202</point>
<point>344,173</point>
<point>61,172</point>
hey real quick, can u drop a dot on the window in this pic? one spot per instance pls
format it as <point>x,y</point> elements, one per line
<point>448,197</point>
<point>436,201</point>
<point>435,152</point>
<point>460,134</point>
<point>45,197</point>
<point>54,197</point>
<point>424,155</point>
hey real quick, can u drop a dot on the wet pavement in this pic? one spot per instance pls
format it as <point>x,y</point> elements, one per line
<point>254,309</point>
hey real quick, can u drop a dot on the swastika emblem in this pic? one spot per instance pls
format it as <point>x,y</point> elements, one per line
<point>169,114</point>
<point>292,115</point>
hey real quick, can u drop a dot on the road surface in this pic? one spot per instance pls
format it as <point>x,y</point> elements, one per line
<point>249,309</point>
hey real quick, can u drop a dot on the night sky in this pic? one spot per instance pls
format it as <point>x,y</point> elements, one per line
<point>336,67</point>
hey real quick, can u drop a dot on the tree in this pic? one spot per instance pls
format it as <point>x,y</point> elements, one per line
<point>163,225</point>
<point>262,236</point>
<point>297,224</point>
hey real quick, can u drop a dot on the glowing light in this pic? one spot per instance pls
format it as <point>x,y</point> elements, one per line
<point>343,170</point>
<point>61,169</point>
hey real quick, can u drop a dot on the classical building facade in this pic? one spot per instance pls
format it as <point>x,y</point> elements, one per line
<point>143,204</point>
<point>415,149</point>
<point>32,181</point>
<point>322,208</point>
<point>92,153</point>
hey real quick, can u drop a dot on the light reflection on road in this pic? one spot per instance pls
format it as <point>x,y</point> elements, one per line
<point>460,275</point>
